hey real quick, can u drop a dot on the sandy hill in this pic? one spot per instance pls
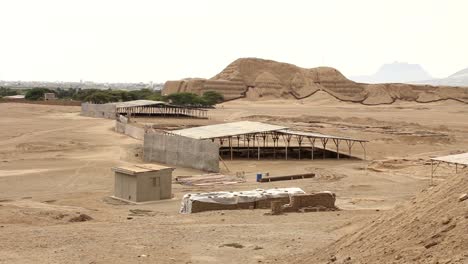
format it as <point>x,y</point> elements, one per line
<point>432,228</point>
<point>254,78</point>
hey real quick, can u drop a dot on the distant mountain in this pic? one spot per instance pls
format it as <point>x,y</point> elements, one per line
<point>397,72</point>
<point>459,78</point>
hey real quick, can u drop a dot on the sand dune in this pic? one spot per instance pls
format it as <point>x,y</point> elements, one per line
<point>431,228</point>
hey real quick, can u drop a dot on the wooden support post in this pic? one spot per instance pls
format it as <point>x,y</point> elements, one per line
<point>350,146</point>
<point>258,158</point>
<point>312,143</point>
<point>324,143</point>
<point>274,147</point>
<point>248,147</point>
<point>230,147</point>
<point>299,141</point>
<point>287,139</point>
<point>363,145</point>
<point>337,149</point>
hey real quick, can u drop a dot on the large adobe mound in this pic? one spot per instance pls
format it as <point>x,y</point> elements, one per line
<point>432,228</point>
<point>256,78</point>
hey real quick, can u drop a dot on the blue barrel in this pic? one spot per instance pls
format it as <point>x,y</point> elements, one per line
<point>259,177</point>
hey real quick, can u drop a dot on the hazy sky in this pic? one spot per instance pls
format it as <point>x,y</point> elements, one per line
<point>145,41</point>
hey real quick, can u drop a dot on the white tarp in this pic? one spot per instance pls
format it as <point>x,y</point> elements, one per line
<point>236,197</point>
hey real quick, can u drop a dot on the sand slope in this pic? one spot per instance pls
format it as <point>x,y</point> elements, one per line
<point>432,228</point>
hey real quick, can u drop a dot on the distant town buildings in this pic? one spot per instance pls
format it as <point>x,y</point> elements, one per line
<point>80,85</point>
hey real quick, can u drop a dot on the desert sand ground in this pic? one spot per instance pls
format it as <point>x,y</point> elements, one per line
<point>55,164</point>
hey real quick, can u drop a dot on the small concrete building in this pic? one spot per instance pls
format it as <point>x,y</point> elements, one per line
<point>49,96</point>
<point>143,183</point>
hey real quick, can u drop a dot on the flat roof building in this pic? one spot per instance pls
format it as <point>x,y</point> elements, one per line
<point>143,183</point>
<point>49,96</point>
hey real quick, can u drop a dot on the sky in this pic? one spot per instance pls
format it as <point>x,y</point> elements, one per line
<point>142,41</point>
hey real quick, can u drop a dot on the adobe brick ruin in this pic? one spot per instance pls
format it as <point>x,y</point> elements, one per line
<point>254,78</point>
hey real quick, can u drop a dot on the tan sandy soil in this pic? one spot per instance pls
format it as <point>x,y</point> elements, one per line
<point>55,165</point>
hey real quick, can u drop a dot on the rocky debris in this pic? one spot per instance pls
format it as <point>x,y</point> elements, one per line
<point>141,212</point>
<point>431,244</point>
<point>446,220</point>
<point>234,245</point>
<point>80,218</point>
<point>463,197</point>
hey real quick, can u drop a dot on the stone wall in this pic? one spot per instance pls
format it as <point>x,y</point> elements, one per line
<point>181,151</point>
<point>99,110</point>
<point>198,206</point>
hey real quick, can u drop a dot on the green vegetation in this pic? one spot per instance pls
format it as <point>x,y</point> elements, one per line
<point>36,93</point>
<point>212,97</point>
<point>107,96</point>
<point>98,96</point>
<point>7,92</point>
<point>209,98</point>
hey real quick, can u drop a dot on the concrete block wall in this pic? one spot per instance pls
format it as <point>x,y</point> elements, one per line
<point>122,126</point>
<point>99,110</point>
<point>134,132</point>
<point>181,151</point>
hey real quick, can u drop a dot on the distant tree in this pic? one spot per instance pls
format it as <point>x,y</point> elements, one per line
<point>183,98</point>
<point>66,93</point>
<point>212,97</point>
<point>140,94</point>
<point>7,91</point>
<point>190,99</point>
<point>100,97</point>
<point>36,93</point>
<point>156,96</point>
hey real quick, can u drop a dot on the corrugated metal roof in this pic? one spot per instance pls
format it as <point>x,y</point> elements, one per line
<point>456,159</point>
<point>245,127</point>
<point>317,135</point>
<point>226,130</point>
<point>139,103</point>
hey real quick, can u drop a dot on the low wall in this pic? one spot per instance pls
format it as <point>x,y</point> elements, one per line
<point>198,206</point>
<point>324,200</point>
<point>181,151</point>
<point>99,110</point>
<point>122,126</point>
<point>134,132</point>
